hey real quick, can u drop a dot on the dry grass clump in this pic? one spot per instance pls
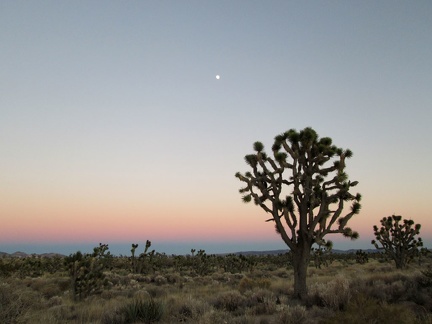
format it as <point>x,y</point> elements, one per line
<point>186,308</point>
<point>17,302</point>
<point>261,302</point>
<point>47,287</point>
<point>335,294</point>
<point>215,316</point>
<point>395,287</point>
<point>363,309</point>
<point>283,273</point>
<point>282,287</point>
<point>247,283</point>
<point>229,301</point>
<point>156,292</point>
<point>293,315</point>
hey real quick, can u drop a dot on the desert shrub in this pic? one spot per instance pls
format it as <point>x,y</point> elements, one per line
<point>425,280</point>
<point>189,309</point>
<point>7,267</point>
<point>259,296</point>
<point>389,292</point>
<point>259,273</point>
<point>203,280</point>
<point>229,301</point>
<point>266,308</point>
<point>335,294</point>
<point>249,284</point>
<point>173,278</point>
<point>216,316</point>
<point>396,290</point>
<point>387,278</point>
<point>364,309</point>
<point>293,315</point>
<point>389,287</point>
<point>90,311</point>
<point>116,280</point>
<point>246,284</point>
<point>55,301</point>
<point>112,311</point>
<point>220,277</point>
<point>260,302</point>
<point>112,317</point>
<point>15,304</point>
<point>30,267</point>
<point>156,292</point>
<point>141,310</point>
<point>281,287</point>
<point>282,273</point>
<point>160,280</point>
<point>63,283</point>
<point>126,293</point>
<point>317,314</point>
<point>185,312</point>
<point>48,288</point>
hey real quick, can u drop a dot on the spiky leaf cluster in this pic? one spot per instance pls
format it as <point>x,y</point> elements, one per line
<point>398,238</point>
<point>303,186</point>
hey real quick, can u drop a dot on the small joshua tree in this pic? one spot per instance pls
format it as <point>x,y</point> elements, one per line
<point>398,238</point>
<point>86,271</point>
<point>133,259</point>
<point>316,190</point>
<point>361,257</point>
<point>144,260</point>
<point>322,255</point>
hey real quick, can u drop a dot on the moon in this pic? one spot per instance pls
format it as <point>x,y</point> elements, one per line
<point>217,76</point>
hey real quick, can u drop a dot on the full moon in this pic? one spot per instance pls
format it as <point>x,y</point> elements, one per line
<point>217,76</point>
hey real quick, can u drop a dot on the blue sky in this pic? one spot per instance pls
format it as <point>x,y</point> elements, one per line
<point>114,128</point>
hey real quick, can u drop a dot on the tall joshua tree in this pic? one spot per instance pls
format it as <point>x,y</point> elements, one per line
<point>304,188</point>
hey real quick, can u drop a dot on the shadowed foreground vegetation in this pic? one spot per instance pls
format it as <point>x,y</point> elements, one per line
<point>201,288</point>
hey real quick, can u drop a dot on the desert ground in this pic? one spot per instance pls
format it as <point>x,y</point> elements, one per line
<point>201,288</point>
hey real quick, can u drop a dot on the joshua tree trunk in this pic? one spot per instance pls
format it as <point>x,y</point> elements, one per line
<point>300,262</point>
<point>400,259</point>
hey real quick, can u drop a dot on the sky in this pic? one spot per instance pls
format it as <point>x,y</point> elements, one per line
<point>114,128</point>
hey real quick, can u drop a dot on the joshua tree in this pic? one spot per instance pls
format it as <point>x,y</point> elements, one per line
<point>144,260</point>
<point>361,257</point>
<point>133,259</point>
<point>316,190</point>
<point>87,271</point>
<point>398,240</point>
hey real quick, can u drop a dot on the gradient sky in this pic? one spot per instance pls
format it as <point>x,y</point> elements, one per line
<point>114,129</point>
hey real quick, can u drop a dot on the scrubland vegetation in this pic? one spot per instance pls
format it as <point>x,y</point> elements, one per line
<point>201,288</point>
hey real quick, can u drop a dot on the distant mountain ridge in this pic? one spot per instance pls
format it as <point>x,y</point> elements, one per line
<point>19,254</point>
<point>276,252</point>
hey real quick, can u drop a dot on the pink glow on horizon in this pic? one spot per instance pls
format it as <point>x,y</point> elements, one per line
<point>128,220</point>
